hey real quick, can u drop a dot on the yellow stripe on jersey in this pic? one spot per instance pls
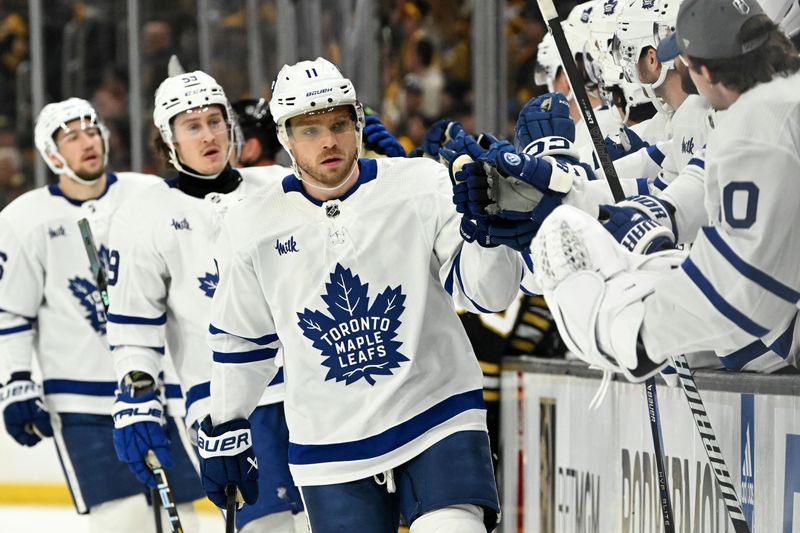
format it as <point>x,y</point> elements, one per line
<point>492,369</point>
<point>536,320</point>
<point>491,395</point>
<point>523,345</point>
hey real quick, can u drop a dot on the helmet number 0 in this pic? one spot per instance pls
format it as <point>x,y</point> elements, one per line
<point>311,72</point>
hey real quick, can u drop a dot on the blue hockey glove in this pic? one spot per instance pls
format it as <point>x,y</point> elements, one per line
<point>463,145</point>
<point>544,174</point>
<point>542,117</point>
<point>442,132</point>
<point>378,139</point>
<point>490,232</point>
<point>24,414</point>
<point>629,143</point>
<point>226,456</point>
<point>470,189</point>
<point>636,231</point>
<point>138,418</point>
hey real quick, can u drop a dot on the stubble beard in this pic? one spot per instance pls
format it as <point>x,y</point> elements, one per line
<point>327,180</point>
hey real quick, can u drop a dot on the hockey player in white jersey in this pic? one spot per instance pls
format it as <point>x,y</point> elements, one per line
<point>345,279</point>
<point>738,288</point>
<point>165,276</point>
<point>51,307</point>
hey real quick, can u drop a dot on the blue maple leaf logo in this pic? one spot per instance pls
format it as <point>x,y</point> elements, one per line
<point>89,297</point>
<point>208,283</point>
<point>356,339</point>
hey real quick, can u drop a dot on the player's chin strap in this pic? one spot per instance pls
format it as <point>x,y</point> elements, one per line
<point>69,172</point>
<point>339,185</point>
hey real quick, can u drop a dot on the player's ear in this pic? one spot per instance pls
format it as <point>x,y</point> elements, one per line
<point>53,159</point>
<point>707,75</point>
<point>251,150</point>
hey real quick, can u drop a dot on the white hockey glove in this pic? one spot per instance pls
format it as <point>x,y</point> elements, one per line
<point>596,290</point>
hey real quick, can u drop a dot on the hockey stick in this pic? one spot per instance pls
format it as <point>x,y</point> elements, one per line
<point>658,448</point>
<point>230,508</point>
<point>710,444</point>
<point>550,15</point>
<point>162,492</point>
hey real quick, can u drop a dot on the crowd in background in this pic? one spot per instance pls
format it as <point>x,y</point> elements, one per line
<point>426,64</point>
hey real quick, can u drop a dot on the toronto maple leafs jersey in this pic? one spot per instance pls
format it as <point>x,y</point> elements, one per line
<point>359,293</point>
<point>49,300</point>
<point>162,278</point>
<point>738,290</point>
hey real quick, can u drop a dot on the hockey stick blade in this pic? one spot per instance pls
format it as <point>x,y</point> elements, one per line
<point>710,444</point>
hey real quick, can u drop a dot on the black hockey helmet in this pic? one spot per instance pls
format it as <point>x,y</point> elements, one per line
<point>255,120</point>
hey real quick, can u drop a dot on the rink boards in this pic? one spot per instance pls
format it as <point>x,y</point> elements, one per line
<point>594,471</point>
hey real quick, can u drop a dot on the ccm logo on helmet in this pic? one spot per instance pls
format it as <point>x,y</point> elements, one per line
<point>216,445</point>
<point>319,91</point>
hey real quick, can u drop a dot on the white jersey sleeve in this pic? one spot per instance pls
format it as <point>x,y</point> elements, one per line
<point>740,282</point>
<point>241,335</point>
<point>475,276</point>
<point>21,293</point>
<point>137,289</point>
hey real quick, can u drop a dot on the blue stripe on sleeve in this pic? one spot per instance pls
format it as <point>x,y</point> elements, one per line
<point>448,283</point>
<point>738,359</point>
<point>526,257</point>
<point>198,392</point>
<point>697,162</point>
<point>641,186</point>
<point>749,271</point>
<point>139,320</point>
<point>159,349</point>
<point>262,354</point>
<point>392,438</point>
<point>660,184</point>
<point>16,329</point>
<point>261,341</point>
<point>461,284</point>
<point>278,379</point>
<point>783,344</point>
<point>172,390</point>
<point>719,302</point>
<point>85,388</point>
<point>655,154</point>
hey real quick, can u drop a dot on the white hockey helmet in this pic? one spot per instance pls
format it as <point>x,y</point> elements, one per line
<point>308,87</point>
<point>642,24</point>
<point>183,92</point>
<point>55,116</point>
<point>576,25</point>
<point>784,13</point>
<point>602,25</point>
<point>547,62</point>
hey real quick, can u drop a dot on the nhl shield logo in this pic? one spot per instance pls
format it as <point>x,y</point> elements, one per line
<point>356,339</point>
